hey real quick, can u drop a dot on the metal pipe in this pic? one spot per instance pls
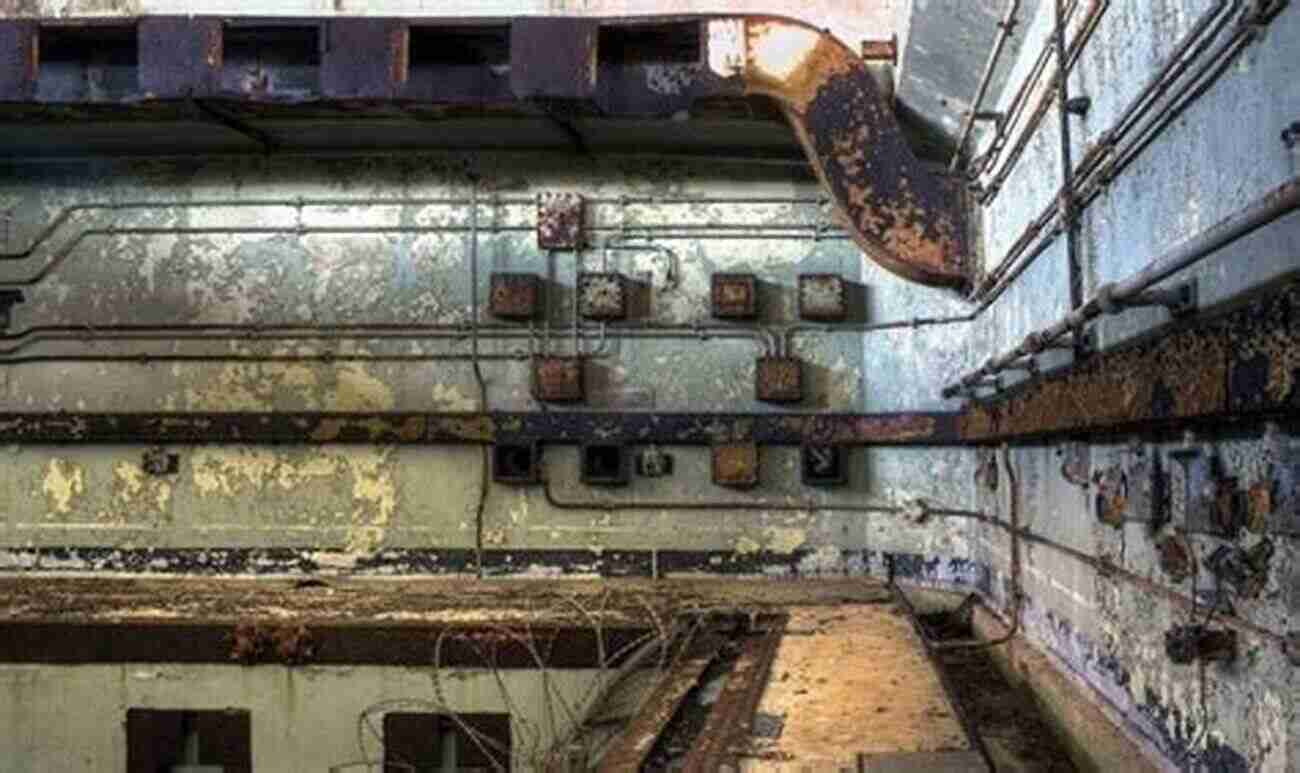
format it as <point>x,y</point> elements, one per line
<point>607,506</point>
<point>724,231</point>
<point>672,274</point>
<point>995,283</point>
<point>1005,29</point>
<point>84,334</point>
<point>1069,221</point>
<point>1206,76</point>
<point>577,293</point>
<point>1261,212</point>
<point>1016,108</point>
<point>65,214</point>
<point>1017,567</point>
<point>793,331</point>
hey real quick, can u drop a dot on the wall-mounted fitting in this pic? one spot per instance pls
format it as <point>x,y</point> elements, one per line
<point>514,296</point>
<point>1147,488</point>
<point>1209,501</point>
<point>880,50</point>
<point>1259,506</point>
<point>1075,464</point>
<point>604,464</point>
<point>518,464</point>
<point>157,462</point>
<point>734,296</point>
<point>1273,500</point>
<point>1177,559</point>
<point>986,469</point>
<point>558,379</point>
<point>1180,299</point>
<point>602,296</point>
<point>778,379</point>
<point>1078,106</point>
<point>1112,495</point>
<point>653,463</point>
<point>559,221</point>
<point>822,297</point>
<point>1291,135</point>
<point>1187,644</point>
<point>735,464</point>
<point>824,466</point>
<point>9,299</point>
<point>1245,570</point>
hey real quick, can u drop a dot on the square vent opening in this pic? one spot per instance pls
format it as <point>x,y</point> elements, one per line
<point>454,58</point>
<point>604,464</point>
<point>87,64</point>
<point>280,61</point>
<point>640,44</point>
<point>516,463</point>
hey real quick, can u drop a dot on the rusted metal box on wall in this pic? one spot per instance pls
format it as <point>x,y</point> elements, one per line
<point>735,464</point>
<point>734,296</point>
<point>778,379</point>
<point>558,379</point>
<point>559,221</point>
<point>514,296</point>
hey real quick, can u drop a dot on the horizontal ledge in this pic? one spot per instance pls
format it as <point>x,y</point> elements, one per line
<point>554,427</point>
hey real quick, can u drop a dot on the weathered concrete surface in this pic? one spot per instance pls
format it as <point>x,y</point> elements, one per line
<point>1222,152</point>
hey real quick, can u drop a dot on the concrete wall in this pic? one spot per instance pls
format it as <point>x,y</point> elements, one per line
<point>1221,154</point>
<point>353,501</point>
<point>73,718</point>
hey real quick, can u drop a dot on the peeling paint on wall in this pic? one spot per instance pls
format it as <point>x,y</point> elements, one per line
<point>63,483</point>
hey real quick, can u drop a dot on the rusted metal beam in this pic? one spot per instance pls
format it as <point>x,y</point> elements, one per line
<point>637,740</point>
<point>1239,361</point>
<point>733,712</point>
<point>271,642</point>
<point>554,427</point>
